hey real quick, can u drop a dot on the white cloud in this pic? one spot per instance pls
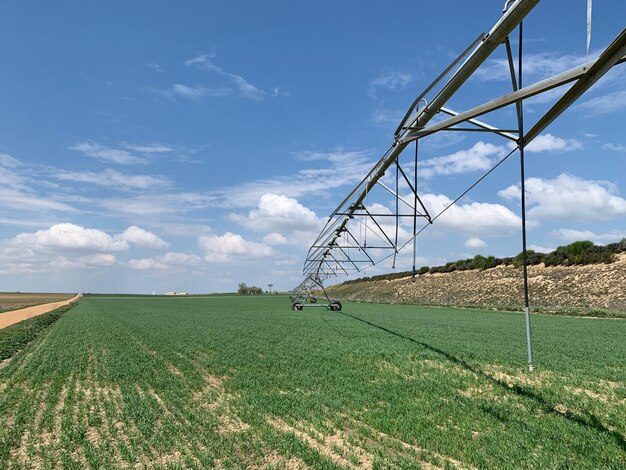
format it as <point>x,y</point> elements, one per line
<point>390,79</point>
<point>180,259</point>
<point>196,92</point>
<point>171,260</point>
<point>568,197</point>
<point>158,204</point>
<point>340,168</point>
<point>280,92</point>
<point>184,229</point>
<point>278,213</point>
<point>387,118</point>
<point>551,143</point>
<point>145,264</point>
<point>142,238</point>
<point>244,87</point>
<point>346,168</point>
<point>476,218</point>
<point>99,259</point>
<point>29,263</point>
<point>110,178</point>
<point>25,222</point>
<point>69,246</point>
<point>609,103</point>
<point>107,154</point>
<point>538,66</point>
<point>575,235</point>
<point>67,237</point>
<point>8,161</point>
<point>338,157</point>
<point>481,156</point>
<point>149,148</point>
<point>156,67</point>
<point>475,243</point>
<point>288,261</point>
<point>230,246</point>
<point>275,238</point>
<point>11,179</point>
<point>20,191</point>
<point>203,60</point>
<point>541,249</point>
<point>23,201</point>
<point>615,147</point>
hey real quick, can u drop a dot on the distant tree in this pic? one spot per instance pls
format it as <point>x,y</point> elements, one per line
<point>246,289</point>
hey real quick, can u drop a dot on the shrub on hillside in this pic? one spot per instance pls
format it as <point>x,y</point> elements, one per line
<point>575,251</point>
<point>532,257</point>
<point>597,254</point>
<point>480,262</point>
<point>580,252</point>
<point>618,247</point>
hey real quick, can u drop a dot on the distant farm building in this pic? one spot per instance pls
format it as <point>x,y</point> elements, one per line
<point>176,293</point>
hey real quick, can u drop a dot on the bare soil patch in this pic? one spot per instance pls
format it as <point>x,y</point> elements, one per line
<point>278,461</point>
<point>333,447</point>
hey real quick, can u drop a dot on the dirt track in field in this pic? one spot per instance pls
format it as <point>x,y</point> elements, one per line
<point>16,316</point>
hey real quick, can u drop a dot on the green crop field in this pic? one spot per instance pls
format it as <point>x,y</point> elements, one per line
<point>245,382</point>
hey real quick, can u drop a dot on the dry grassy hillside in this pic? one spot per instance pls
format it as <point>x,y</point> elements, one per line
<point>558,288</point>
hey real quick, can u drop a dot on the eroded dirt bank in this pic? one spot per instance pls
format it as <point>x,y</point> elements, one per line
<point>599,286</point>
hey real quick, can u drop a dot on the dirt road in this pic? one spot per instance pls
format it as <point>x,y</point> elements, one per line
<point>16,316</point>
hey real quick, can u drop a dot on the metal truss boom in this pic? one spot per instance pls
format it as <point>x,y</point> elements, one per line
<point>555,81</point>
<point>363,231</point>
<point>486,44</point>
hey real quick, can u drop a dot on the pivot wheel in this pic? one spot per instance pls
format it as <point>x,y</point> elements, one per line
<point>297,306</point>
<point>335,306</point>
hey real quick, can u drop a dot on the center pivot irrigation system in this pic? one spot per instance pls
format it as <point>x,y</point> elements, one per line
<point>361,232</point>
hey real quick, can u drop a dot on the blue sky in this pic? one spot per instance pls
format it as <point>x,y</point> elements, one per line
<point>156,146</point>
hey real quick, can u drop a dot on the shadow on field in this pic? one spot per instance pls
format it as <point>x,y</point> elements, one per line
<point>586,419</point>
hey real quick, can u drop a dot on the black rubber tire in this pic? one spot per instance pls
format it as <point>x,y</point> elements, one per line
<point>313,300</point>
<point>296,306</point>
